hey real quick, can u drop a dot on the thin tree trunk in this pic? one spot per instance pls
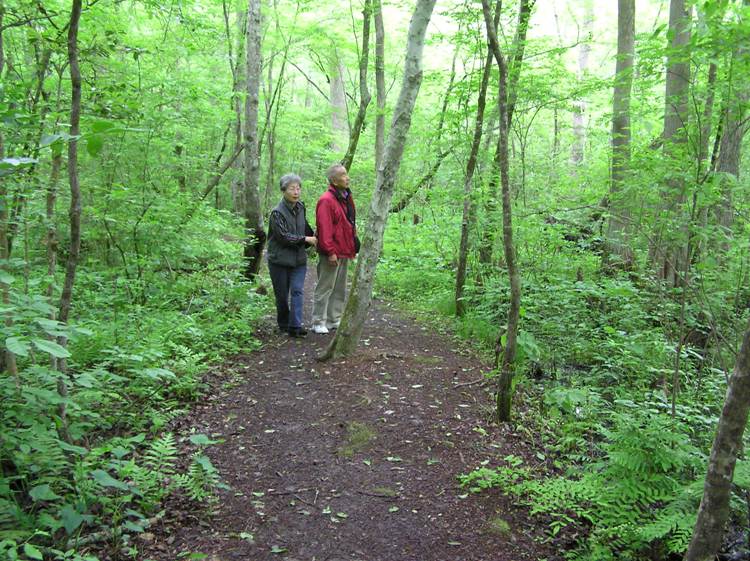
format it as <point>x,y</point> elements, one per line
<point>254,228</point>
<point>364,92</point>
<point>713,512</point>
<point>9,357</point>
<point>579,106</point>
<point>75,204</point>
<point>339,125</point>
<point>471,165</point>
<point>487,240</point>
<point>238,66</point>
<point>505,380</point>
<point>423,184</point>
<point>349,332</point>
<point>619,216</point>
<point>379,83</point>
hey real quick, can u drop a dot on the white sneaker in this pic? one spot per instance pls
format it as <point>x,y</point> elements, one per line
<point>334,325</point>
<point>320,328</point>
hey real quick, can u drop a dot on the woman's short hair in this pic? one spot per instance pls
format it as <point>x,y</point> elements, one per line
<point>288,179</point>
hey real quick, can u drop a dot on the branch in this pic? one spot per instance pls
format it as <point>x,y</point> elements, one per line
<point>310,81</point>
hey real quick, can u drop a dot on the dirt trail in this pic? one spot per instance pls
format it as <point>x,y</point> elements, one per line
<point>354,459</point>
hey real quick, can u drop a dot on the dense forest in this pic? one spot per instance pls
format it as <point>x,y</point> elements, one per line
<point>557,183</point>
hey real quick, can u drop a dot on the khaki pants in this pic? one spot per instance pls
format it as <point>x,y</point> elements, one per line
<point>330,292</point>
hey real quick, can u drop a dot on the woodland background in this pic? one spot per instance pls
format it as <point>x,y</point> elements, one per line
<point>631,246</point>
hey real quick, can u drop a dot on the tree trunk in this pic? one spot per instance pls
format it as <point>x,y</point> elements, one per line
<point>670,255</point>
<point>505,380</point>
<point>339,124</point>
<point>579,106</point>
<point>238,66</point>
<point>348,334</point>
<point>75,204</point>
<point>471,165</point>
<point>734,128</point>
<point>364,93</point>
<point>619,207</point>
<point>487,240</point>
<point>714,508</point>
<point>254,229</point>
<point>379,83</point>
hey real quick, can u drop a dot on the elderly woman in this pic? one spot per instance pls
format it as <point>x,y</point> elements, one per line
<point>289,234</point>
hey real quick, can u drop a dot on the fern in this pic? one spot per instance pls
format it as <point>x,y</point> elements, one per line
<point>201,480</point>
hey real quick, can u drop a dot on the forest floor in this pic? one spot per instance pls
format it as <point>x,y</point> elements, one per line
<point>352,459</point>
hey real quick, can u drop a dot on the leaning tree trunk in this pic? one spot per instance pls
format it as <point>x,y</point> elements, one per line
<point>505,380</point>
<point>714,508</point>
<point>364,93</point>
<point>379,83</point>
<point>471,165</point>
<point>348,334</point>
<point>619,217</point>
<point>255,232</point>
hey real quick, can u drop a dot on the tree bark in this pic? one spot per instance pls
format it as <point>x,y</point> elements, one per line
<point>579,106</point>
<point>471,165</point>
<point>238,67</point>
<point>364,92</point>
<point>733,131</point>
<point>339,124</point>
<point>669,255</point>
<point>349,332</point>
<point>254,228</point>
<point>75,203</point>
<point>379,83</point>
<point>505,380</point>
<point>714,508</point>
<point>513,72</point>
<point>619,216</point>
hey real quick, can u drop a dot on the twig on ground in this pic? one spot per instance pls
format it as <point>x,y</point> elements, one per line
<point>471,383</point>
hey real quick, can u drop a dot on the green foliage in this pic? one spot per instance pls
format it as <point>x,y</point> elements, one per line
<point>638,495</point>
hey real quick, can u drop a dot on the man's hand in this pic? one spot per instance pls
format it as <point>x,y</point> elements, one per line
<point>311,240</point>
<point>332,259</point>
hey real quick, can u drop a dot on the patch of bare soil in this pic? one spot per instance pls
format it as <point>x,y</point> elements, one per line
<point>353,459</point>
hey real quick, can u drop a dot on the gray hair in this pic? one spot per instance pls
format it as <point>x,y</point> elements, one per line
<point>333,171</point>
<point>288,179</point>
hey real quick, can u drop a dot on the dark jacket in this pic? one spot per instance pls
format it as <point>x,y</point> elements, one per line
<point>335,218</point>
<point>287,228</point>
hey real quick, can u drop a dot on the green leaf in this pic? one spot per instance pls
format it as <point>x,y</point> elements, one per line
<point>277,549</point>
<point>17,346</point>
<point>201,440</point>
<point>71,518</point>
<point>102,126</point>
<point>32,552</point>
<point>133,527</point>
<point>72,448</point>
<point>43,493</point>
<point>58,351</point>
<point>106,480</point>
<point>158,373</point>
<point>6,278</point>
<point>205,463</point>
<point>94,145</point>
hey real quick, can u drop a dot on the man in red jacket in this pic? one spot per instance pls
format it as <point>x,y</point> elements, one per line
<point>335,218</point>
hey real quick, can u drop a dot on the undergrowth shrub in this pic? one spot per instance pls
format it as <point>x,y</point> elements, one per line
<point>134,365</point>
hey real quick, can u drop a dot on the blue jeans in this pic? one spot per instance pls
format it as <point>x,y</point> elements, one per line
<point>288,281</point>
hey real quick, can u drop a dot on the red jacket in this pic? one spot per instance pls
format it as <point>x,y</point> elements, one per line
<point>334,230</point>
